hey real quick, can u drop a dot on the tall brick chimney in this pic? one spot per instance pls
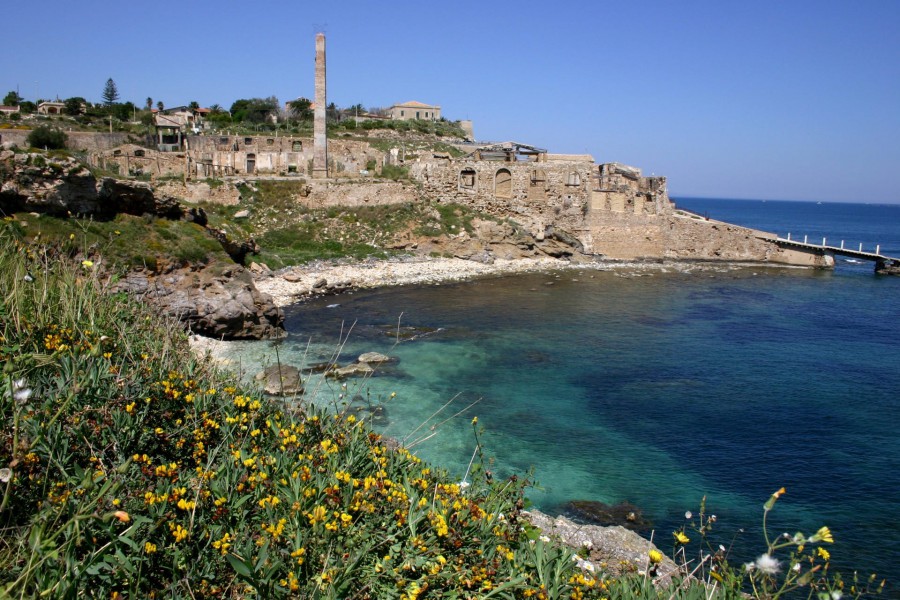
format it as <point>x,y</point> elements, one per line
<point>320,139</point>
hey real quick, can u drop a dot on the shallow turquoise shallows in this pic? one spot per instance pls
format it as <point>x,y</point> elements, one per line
<point>652,385</point>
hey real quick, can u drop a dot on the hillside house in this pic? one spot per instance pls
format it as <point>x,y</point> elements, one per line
<point>51,108</point>
<point>415,110</point>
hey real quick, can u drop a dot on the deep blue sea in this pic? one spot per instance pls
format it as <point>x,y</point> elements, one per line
<point>654,385</point>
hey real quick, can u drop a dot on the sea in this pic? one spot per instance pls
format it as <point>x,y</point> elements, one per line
<point>664,386</point>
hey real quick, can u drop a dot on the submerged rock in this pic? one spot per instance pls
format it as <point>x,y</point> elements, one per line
<point>281,380</point>
<point>353,370</point>
<point>408,333</point>
<point>624,514</point>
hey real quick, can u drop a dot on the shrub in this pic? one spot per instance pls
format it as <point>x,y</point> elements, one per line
<point>47,137</point>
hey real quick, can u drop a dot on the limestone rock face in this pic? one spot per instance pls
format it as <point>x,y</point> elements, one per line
<point>215,302</point>
<point>63,186</point>
<point>281,380</point>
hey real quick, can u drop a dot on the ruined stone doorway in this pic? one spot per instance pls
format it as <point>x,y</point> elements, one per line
<point>251,163</point>
<point>503,183</point>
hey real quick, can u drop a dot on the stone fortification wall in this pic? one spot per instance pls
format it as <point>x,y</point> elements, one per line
<point>629,236</point>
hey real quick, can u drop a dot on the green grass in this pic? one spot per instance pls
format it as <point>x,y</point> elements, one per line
<point>127,241</point>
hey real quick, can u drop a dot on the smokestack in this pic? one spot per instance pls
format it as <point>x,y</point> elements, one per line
<point>320,139</point>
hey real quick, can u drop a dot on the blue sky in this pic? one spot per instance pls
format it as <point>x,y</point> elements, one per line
<point>776,100</point>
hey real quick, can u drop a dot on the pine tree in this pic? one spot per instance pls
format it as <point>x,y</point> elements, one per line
<point>110,92</point>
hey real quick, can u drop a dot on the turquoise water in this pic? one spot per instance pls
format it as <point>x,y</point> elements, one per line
<point>653,386</point>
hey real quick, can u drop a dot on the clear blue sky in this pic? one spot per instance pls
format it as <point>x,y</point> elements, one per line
<point>787,99</point>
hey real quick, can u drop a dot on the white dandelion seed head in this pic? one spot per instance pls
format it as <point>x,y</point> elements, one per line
<point>5,474</point>
<point>749,567</point>
<point>22,396</point>
<point>688,515</point>
<point>721,548</point>
<point>767,564</point>
<point>19,384</point>
<point>796,567</point>
<point>836,595</point>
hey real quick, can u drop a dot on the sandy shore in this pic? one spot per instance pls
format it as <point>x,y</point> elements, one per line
<point>293,284</point>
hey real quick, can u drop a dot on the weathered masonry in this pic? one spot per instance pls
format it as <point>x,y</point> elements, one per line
<point>608,209</point>
<point>217,156</point>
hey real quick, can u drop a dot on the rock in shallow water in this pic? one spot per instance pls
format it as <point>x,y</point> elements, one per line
<point>374,358</point>
<point>281,380</point>
<point>624,514</point>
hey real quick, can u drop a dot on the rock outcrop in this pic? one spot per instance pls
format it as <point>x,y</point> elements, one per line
<point>616,549</point>
<point>217,301</point>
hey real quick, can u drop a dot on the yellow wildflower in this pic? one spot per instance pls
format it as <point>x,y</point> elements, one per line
<point>680,538</point>
<point>149,548</point>
<point>823,553</point>
<point>823,535</point>
<point>655,556</point>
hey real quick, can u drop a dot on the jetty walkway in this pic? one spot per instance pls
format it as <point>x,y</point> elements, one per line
<point>883,264</point>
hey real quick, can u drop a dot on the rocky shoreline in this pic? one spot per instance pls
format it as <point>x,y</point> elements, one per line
<point>295,284</point>
<point>320,277</point>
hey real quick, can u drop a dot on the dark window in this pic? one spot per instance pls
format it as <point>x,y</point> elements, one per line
<point>467,179</point>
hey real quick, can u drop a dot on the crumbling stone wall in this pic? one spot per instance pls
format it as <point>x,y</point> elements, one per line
<point>216,156</point>
<point>538,195</point>
<point>136,161</point>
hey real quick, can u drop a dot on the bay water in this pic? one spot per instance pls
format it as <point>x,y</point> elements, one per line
<point>653,384</point>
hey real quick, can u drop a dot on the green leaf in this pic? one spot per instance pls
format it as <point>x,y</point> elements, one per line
<point>240,567</point>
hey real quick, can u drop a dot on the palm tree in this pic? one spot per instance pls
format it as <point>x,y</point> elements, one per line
<point>149,103</point>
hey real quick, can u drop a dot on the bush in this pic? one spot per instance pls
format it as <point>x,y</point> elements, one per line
<point>47,137</point>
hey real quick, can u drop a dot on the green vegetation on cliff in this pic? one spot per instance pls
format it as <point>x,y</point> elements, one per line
<point>129,468</point>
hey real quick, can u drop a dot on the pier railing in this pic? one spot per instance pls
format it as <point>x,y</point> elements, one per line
<point>883,263</point>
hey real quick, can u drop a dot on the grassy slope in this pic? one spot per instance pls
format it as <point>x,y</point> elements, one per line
<point>135,468</point>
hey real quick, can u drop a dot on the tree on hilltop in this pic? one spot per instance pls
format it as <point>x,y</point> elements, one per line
<point>160,106</point>
<point>12,99</point>
<point>149,103</point>
<point>301,109</point>
<point>254,110</point>
<point>75,106</point>
<point>110,92</point>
